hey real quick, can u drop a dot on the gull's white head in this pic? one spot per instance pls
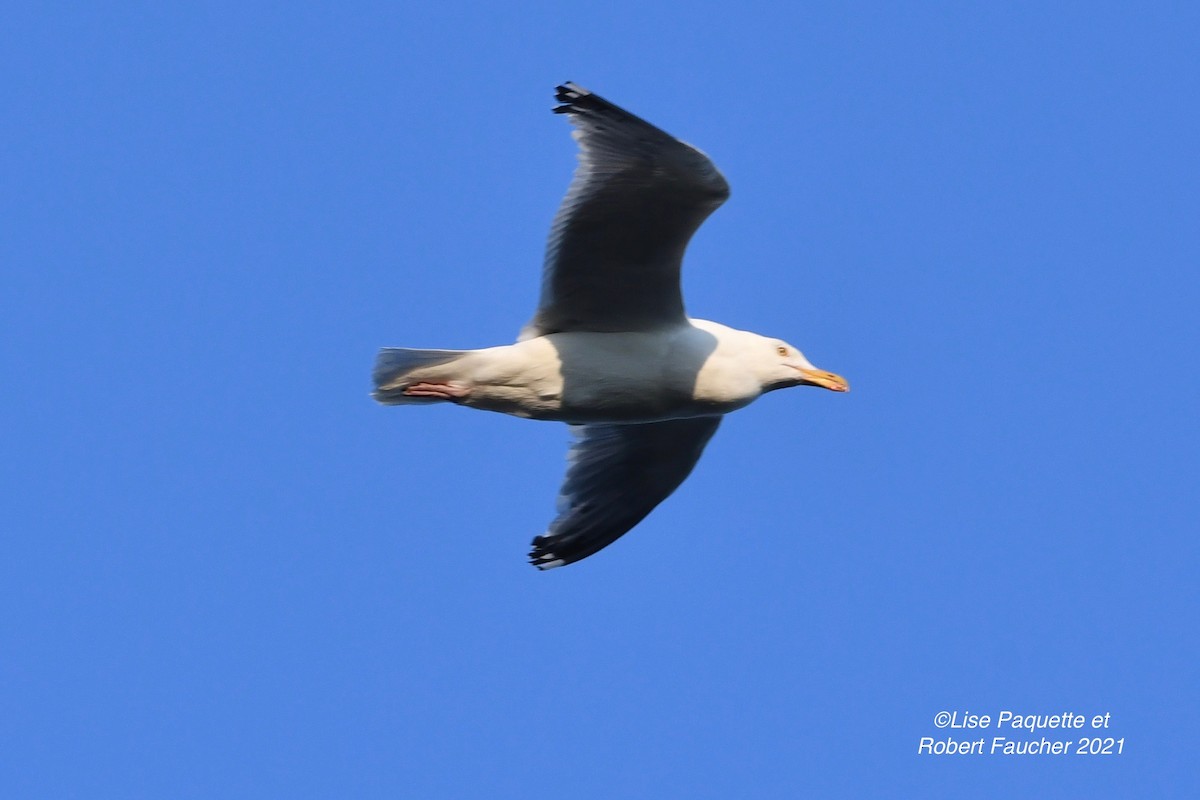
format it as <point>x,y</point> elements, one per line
<point>782,365</point>
<point>745,364</point>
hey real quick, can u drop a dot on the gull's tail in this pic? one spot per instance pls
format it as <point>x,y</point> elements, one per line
<point>394,368</point>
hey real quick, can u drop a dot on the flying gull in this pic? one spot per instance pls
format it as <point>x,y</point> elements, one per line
<point>610,350</point>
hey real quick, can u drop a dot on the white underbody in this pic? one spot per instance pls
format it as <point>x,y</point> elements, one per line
<point>692,370</point>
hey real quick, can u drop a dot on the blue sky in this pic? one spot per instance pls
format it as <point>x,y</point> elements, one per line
<point>228,573</point>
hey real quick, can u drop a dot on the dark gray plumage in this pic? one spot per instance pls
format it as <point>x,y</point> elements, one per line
<point>616,244</point>
<point>617,474</point>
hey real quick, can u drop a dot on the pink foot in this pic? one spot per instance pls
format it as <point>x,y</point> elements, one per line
<point>440,391</point>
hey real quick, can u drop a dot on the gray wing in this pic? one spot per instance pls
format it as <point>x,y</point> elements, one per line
<point>616,245</point>
<point>617,475</point>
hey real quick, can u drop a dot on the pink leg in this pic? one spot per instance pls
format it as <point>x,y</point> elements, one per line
<point>441,391</point>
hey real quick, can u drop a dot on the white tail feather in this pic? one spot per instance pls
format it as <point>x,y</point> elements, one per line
<point>394,364</point>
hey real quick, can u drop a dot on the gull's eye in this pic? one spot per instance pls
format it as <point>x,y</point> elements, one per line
<point>783,351</point>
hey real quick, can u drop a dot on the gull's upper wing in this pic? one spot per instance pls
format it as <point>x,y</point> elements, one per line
<point>617,474</point>
<point>615,248</point>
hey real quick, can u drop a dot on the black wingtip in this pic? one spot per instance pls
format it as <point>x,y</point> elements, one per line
<point>568,94</point>
<point>541,557</point>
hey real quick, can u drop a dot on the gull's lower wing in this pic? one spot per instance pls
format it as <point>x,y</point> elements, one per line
<point>616,245</point>
<point>617,474</point>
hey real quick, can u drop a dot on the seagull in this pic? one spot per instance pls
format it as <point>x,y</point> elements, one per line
<point>610,350</point>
